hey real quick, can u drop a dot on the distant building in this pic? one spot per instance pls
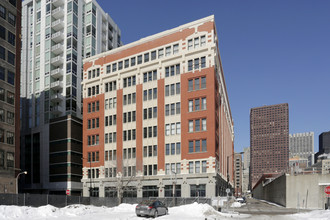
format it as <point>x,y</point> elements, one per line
<point>324,144</point>
<point>302,145</point>
<point>269,140</point>
<point>238,169</point>
<point>246,170</point>
<point>10,51</point>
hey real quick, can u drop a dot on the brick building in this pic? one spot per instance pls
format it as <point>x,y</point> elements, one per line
<point>156,116</point>
<point>269,140</point>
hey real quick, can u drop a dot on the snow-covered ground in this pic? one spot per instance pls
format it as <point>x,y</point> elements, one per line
<point>127,212</point>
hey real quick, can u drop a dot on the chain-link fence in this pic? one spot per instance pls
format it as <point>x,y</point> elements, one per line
<point>36,200</point>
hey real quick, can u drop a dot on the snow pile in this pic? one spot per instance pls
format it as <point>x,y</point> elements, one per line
<point>316,214</point>
<point>236,205</point>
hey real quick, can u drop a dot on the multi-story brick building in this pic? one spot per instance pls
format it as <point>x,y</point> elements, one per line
<point>269,140</point>
<point>10,46</point>
<point>157,116</point>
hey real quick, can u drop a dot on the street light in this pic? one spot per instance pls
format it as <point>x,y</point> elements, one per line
<point>174,185</point>
<point>24,172</point>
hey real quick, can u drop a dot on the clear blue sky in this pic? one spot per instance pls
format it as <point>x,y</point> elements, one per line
<point>272,52</point>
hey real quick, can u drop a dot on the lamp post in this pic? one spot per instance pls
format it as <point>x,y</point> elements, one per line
<point>24,172</point>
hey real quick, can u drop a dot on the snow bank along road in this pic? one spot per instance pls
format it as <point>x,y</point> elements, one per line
<point>127,212</point>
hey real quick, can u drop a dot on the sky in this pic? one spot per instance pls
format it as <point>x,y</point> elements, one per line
<point>272,52</point>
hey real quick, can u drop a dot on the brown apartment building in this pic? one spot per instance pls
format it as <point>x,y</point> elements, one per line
<point>156,117</point>
<point>10,47</point>
<point>269,139</point>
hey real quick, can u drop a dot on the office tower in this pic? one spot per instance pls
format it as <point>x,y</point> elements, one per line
<point>157,117</point>
<point>10,45</point>
<point>269,140</point>
<point>301,146</point>
<point>324,144</point>
<point>56,36</point>
<point>246,170</point>
<point>238,174</point>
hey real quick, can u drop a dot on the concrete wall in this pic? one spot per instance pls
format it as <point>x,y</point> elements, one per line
<point>274,191</point>
<point>301,191</point>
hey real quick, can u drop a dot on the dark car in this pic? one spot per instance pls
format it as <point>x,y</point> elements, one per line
<point>151,208</point>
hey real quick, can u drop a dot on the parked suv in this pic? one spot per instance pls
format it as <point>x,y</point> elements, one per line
<point>151,208</point>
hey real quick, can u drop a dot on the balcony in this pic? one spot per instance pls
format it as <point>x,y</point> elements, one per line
<point>56,97</point>
<point>58,13</point>
<point>56,85</point>
<point>56,73</point>
<point>57,48</point>
<point>104,27</point>
<point>57,3</point>
<point>58,24</point>
<point>58,37</point>
<point>56,61</point>
<point>56,109</point>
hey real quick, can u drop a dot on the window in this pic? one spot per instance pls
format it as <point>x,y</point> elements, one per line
<point>2,53</point>
<point>196,83</point>
<point>197,146</point>
<point>203,62</point>
<point>11,38</point>
<point>2,94</point>
<point>11,78</point>
<point>139,61</point>
<point>167,129</point>
<point>2,135</point>
<point>167,149</point>
<point>204,166</point>
<point>203,103</point>
<point>197,167</point>
<point>204,145</point>
<point>197,107</point>
<point>190,85</point>
<point>153,55</point>
<point>191,167</point>
<point>204,124</point>
<point>203,40</point>
<point>175,48</point>
<point>146,57</point>
<point>2,32</point>
<point>2,73</point>
<point>196,42</point>
<point>10,97</point>
<point>10,159</point>
<point>2,12</point>
<point>191,126</point>
<point>10,117</point>
<point>108,68</point>
<point>178,148</point>
<point>10,138</point>
<point>11,19</point>
<point>2,115</point>
<point>190,105</point>
<point>160,53</point>
<point>168,51</point>
<point>178,108</point>
<point>197,125</point>
<point>10,58</point>
<point>203,83</point>
<point>191,146</point>
<point>133,61</point>
<point>167,90</point>
<point>190,65</point>
<point>190,44</point>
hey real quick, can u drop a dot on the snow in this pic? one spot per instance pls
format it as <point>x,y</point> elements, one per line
<point>193,211</point>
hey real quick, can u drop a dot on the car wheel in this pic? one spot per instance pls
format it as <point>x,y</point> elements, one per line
<point>155,214</point>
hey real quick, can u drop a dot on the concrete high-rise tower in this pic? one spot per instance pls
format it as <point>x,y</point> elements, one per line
<point>269,140</point>
<point>56,36</point>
